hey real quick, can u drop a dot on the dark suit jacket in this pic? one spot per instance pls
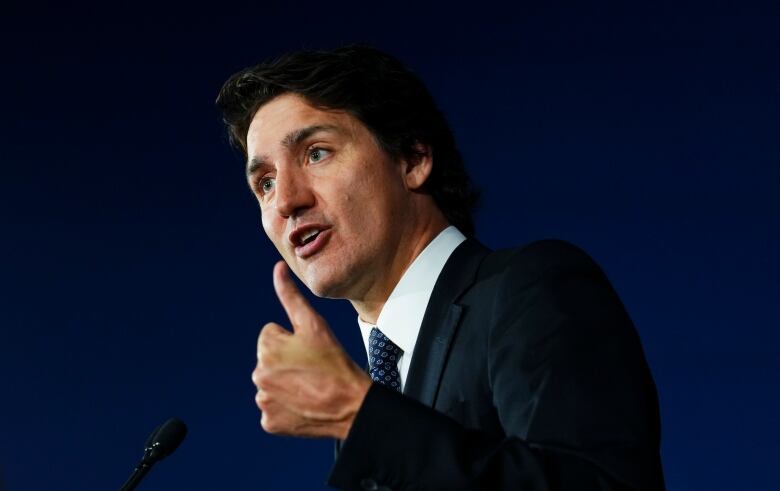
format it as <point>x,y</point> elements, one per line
<point>527,374</point>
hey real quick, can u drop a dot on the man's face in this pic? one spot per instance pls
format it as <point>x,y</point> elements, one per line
<point>332,201</point>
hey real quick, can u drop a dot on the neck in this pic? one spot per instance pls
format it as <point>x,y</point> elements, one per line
<point>369,307</point>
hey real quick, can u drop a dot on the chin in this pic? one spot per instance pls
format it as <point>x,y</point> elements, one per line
<point>327,283</point>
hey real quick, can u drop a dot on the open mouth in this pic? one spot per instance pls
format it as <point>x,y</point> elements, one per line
<point>308,237</point>
<point>310,241</point>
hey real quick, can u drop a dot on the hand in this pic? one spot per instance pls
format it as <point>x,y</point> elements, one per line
<point>306,383</point>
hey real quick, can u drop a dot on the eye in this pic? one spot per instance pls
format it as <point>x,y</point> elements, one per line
<point>266,185</point>
<point>316,154</point>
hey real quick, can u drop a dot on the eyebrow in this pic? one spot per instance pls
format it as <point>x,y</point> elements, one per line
<point>290,140</point>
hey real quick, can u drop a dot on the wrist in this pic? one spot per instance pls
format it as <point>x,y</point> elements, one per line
<point>357,394</point>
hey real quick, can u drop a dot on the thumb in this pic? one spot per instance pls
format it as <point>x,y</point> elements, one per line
<point>299,311</point>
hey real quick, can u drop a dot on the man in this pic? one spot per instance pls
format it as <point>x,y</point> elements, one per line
<point>514,369</point>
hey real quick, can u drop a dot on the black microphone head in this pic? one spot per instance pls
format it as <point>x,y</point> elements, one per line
<point>152,436</point>
<point>164,440</point>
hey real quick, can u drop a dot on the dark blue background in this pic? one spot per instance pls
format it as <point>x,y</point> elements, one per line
<point>135,275</point>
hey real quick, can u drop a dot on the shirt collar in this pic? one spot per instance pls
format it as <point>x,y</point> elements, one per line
<point>402,314</point>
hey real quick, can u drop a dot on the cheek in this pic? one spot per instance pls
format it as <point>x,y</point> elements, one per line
<point>357,207</point>
<point>371,187</point>
<point>266,222</point>
<point>272,227</point>
<point>379,199</point>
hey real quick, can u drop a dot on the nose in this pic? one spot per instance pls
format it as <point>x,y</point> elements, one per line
<point>293,192</point>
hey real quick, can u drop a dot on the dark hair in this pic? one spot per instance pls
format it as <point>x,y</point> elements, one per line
<point>375,88</point>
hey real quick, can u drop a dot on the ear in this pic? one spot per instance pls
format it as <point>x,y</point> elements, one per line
<point>418,167</point>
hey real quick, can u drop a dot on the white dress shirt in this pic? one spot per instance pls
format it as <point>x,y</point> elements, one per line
<point>402,314</point>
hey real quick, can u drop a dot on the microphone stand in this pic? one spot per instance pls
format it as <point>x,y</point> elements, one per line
<point>140,471</point>
<point>151,456</point>
<point>161,443</point>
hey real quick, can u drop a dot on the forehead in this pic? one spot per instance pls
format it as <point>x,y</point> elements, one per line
<point>290,112</point>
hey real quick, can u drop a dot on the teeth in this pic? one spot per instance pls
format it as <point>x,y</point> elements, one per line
<point>308,236</point>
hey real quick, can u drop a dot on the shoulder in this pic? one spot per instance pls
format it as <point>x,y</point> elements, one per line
<point>538,260</point>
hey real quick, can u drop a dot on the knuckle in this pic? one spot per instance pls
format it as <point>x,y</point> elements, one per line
<point>256,377</point>
<point>319,325</point>
<point>261,377</point>
<point>265,333</point>
<point>264,401</point>
<point>269,335</point>
<point>271,329</point>
<point>264,346</point>
<point>268,423</point>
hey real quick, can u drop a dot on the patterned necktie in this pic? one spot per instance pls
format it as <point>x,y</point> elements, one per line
<point>383,357</point>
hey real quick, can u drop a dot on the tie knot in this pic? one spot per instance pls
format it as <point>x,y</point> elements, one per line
<point>383,357</point>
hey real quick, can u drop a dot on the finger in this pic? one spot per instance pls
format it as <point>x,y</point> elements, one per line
<point>269,336</point>
<point>256,376</point>
<point>273,418</point>
<point>262,399</point>
<point>299,311</point>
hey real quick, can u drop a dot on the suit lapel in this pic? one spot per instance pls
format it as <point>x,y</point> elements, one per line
<point>440,321</point>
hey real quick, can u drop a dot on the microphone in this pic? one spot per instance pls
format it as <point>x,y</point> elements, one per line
<point>160,444</point>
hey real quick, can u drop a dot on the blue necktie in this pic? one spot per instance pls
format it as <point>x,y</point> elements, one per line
<point>383,357</point>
